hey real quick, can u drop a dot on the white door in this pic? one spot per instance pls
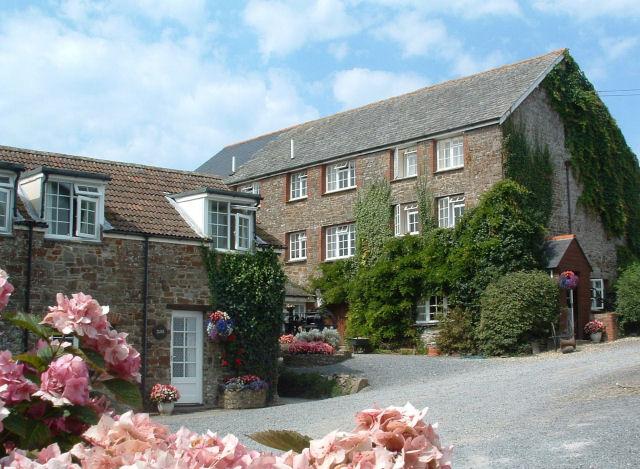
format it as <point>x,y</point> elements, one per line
<point>186,355</point>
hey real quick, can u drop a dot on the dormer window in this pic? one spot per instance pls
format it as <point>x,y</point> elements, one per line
<point>230,226</point>
<point>73,210</point>
<point>6,202</point>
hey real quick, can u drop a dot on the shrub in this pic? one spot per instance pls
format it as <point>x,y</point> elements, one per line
<point>628,294</point>
<point>329,336</point>
<point>307,385</point>
<point>456,332</point>
<point>313,335</point>
<point>334,280</point>
<point>516,309</point>
<point>319,348</point>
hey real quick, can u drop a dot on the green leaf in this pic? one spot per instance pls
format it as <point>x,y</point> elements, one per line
<point>37,435</point>
<point>31,323</point>
<point>16,424</point>
<point>45,354</point>
<point>94,357</point>
<point>124,391</point>
<point>84,414</point>
<point>33,360</point>
<point>283,440</point>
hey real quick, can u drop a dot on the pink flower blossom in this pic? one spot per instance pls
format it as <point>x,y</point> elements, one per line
<point>80,314</point>
<point>121,358</point>
<point>5,289</point>
<point>18,388</point>
<point>48,458</point>
<point>66,381</point>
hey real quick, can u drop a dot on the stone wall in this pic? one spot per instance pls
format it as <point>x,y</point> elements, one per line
<point>112,271</point>
<point>543,125</point>
<point>483,168</point>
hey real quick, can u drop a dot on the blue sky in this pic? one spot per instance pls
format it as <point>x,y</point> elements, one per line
<point>170,82</point>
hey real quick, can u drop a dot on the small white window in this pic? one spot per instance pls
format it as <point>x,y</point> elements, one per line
<point>450,154</point>
<point>73,209</point>
<point>405,163</point>
<point>429,311</point>
<point>450,210</point>
<point>340,241</point>
<point>397,220</point>
<point>6,197</point>
<point>406,219</point>
<point>298,186</point>
<point>86,224</point>
<point>341,176</point>
<point>597,294</point>
<point>219,226</point>
<point>412,219</point>
<point>253,188</point>
<point>60,208</point>
<point>298,246</point>
<point>243,232</point>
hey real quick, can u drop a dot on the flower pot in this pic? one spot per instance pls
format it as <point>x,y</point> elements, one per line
<point>166,408</point>
<point>244,399</point>
<point>596,337</point>
<point>433,351</point>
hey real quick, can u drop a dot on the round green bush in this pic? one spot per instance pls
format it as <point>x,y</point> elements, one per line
<point>515,310</point>
<point>456,332</point>
<point>628,297</point>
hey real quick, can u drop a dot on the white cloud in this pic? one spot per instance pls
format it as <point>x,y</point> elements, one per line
<point>467,64</point>
<point>618,47</point>
<point>102,88</point>
<point>469,9</point>
<point>339,50</point>
<point>359,86</point>
<point>416,36</point>
<point>285,26</point>
<point>590,9</point>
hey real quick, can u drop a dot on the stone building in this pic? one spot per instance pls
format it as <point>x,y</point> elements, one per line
<point>132,237</point>
<point>451,133</point>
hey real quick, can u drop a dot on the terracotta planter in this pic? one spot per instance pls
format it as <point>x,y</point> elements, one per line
<point>166,408</point>
<point>433,351</point>
<point>245,399</point>
<point>596,337</point>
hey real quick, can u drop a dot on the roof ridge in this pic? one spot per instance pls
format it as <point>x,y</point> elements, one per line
<point>419,90</point>
<point>119,163</point>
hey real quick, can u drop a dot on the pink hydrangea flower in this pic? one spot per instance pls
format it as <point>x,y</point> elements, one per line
<point>48,458</point>
<point>66,381</point>
<point>121,359</point>
<point>5,289</point>
<point>80,314</point>
<point>18,388</point>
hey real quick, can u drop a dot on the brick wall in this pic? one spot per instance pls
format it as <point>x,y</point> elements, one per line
<point>543,124</point>
<point>112,272</point>
<point>483,168</point>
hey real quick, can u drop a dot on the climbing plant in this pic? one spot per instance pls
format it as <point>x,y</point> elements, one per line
<point>600,157</point>
<point>529,165</point>
<point>426,209</point>
<point>373,221</point>
<point>250,288</point>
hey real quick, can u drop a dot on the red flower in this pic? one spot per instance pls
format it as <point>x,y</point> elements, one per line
<point>231,338</point>
<point>238,362</point>
<point>225,363</point>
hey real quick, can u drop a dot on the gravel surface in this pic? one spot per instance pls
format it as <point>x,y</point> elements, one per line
<point>579,410</point>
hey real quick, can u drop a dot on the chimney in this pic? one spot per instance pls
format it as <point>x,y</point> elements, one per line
<point>292,154</point>
<point>233,164</point>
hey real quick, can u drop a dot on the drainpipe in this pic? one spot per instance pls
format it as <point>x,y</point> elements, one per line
<point>567,164</point>
<point>145,301</point>
<point>27,294</point>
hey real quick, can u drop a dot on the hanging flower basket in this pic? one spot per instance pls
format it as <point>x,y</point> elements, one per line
<point>568,280</point>
<point>219,327</point>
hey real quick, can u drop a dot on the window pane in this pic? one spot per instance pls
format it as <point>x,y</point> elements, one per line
<point>59,208</point>
<point>244,231</point>
<point>443,212</point>
<point>219,224</point>
<point>397,228</point>
<point>4,209</point>
<point>410,164</point>
<point>88,215</point>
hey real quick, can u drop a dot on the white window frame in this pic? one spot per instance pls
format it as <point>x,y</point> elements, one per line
<point>412,210</point>
<point>249,220</point>
<point>340,176</point>
<point>402,219</point>
<point>401,167</point>
<point>298,246</point>
<point>334,236</point>
<point>8,189</point>
<point>447,209</point>
<point>79,190</point>
<point>298,186</point>
<point>597,288</point>
<point>253,188</point>
<point>446,160</point>
<point>429,310</point>
<point>397,220</point>
<point>214,238</point>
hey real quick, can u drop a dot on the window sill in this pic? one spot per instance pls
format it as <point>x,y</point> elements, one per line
<point>346,189</point>
<point>73,239</point>
<point>296,261</point>
<point>405,178</point>
<point>6,234</point>
<point>334,259</point>
<point>448,170</point>
<point>298,199</point>
<point>427,323</point>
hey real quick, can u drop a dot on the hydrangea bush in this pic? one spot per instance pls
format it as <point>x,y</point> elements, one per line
<point>55,399</point>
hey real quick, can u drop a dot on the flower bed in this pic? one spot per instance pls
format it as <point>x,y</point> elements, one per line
<point>306,348</point>
<point>243,392</point>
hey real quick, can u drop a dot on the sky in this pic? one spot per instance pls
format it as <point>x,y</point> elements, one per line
<point>171,82</point>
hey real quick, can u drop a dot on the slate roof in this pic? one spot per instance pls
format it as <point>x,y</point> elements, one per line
<point>474,100</point>
<point>556,247</point>
<point>293,290</point>
<point>135,199</point>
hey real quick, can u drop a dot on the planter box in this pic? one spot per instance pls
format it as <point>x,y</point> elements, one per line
<point>245,399</point>
<point>314,359</point>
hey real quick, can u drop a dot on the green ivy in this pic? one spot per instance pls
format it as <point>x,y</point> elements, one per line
<point>600,157</point>
<point>250,288</point>
<point>373,215</point>
<point>530,166</point>
<point>426,205</point>
<point>334,280</point>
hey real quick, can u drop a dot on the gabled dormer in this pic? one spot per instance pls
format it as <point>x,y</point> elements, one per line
<point>70,202</point>
<point>224,217</point>
<point>9,173</point>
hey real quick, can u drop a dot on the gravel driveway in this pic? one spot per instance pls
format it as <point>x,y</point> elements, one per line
<point>579,410</point>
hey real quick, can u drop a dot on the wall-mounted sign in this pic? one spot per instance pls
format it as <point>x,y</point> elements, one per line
<point>159,331</point>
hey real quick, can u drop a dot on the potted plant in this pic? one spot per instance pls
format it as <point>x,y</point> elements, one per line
<point>220,327</point>
<point>165,396</point>
<point>243,392</point>
<point>594,329</point>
